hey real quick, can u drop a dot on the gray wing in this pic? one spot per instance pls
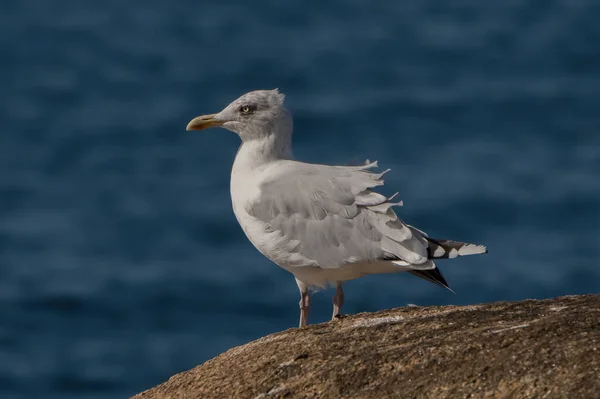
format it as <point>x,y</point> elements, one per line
<point>335,217</point>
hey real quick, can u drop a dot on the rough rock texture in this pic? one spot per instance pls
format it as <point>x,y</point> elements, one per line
<point>529,349</point>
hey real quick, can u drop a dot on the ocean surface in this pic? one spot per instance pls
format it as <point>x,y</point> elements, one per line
<point>121,262</point>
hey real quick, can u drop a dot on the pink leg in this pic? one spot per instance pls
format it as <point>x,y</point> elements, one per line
<point>304,303</point>
<point>338,302</point>
<point>304,308</point>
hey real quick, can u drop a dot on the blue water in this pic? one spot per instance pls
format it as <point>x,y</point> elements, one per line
<point>121,262</point>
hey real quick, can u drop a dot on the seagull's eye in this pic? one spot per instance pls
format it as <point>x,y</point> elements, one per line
<point>245,109</point>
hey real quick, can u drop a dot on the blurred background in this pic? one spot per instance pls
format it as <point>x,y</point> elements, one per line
<point>121,262</point>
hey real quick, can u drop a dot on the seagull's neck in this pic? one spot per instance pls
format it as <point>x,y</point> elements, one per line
<point>258,152</point>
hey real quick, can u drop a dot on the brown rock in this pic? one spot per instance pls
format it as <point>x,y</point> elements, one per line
<point>528,349</point>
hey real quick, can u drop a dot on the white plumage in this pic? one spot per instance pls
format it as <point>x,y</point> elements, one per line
<point>322,223</point>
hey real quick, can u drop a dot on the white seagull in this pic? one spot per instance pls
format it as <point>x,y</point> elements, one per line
<point>324,224</point>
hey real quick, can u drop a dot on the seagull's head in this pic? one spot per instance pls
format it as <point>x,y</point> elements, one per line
<point>252,116</point>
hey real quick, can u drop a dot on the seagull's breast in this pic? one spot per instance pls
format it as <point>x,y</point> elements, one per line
<point>245,190</point>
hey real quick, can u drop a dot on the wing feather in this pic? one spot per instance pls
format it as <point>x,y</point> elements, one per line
<point>336,218</point>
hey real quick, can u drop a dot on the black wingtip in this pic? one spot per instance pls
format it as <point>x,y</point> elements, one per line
<point>433,275</point>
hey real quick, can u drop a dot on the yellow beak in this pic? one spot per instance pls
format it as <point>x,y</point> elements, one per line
<point>204,122</point>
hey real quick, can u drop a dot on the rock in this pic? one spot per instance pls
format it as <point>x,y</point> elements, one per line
<point>542,349</point>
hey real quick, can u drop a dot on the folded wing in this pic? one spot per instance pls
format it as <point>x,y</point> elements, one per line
<point>334,217</point>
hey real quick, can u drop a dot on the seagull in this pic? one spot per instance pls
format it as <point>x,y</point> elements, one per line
<point>325,224</point>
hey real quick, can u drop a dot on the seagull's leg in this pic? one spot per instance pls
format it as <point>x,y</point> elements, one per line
<point>304,303</point>
<point>304,308</point>
<point>338,301</point>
